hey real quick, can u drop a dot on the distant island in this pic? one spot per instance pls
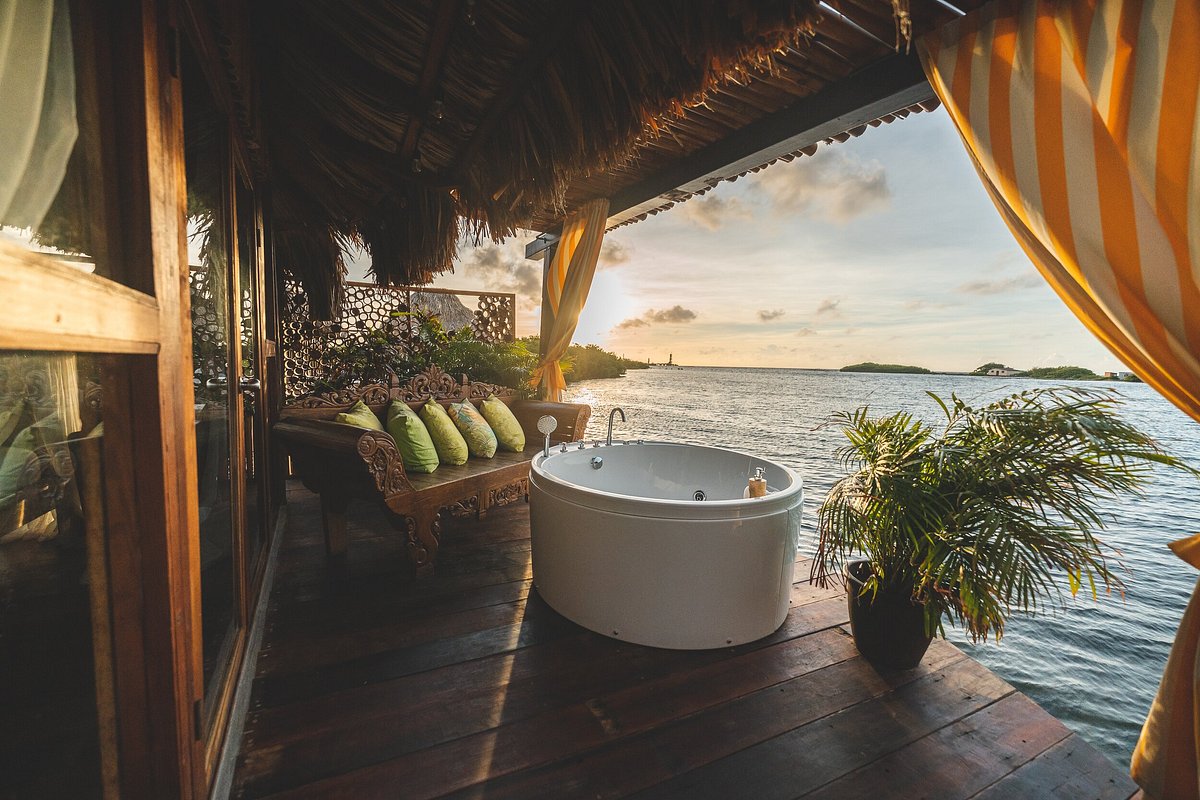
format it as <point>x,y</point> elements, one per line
<point>871,366</point>
<point>995,369</point>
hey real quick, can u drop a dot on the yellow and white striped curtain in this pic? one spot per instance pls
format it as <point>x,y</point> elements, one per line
<point>1081,118</point>
<point>567,283</point>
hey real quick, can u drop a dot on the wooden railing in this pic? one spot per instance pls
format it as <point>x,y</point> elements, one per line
<point>366,307</point>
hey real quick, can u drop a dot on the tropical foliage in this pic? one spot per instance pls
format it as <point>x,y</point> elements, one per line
<point>984,515</point>
<point>584,362</point>
<point>1064,373</point>
<point>382,353</point>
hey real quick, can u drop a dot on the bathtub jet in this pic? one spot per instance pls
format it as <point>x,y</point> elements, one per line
<point>660,547</point>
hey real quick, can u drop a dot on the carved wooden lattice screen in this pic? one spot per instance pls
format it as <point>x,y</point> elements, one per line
<point>306,343</point>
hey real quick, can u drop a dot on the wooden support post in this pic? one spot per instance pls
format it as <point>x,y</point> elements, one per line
<point>547,312</point>
<point>333,519</point>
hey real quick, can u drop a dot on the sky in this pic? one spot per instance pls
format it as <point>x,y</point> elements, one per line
<point>882,248</point>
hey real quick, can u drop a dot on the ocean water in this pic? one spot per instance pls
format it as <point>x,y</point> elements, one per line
<point>1096,665</point>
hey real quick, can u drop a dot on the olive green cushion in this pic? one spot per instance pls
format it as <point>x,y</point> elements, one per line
<point>449,443</point>
<point>412,439</point>
<point>508,431</point>
<point>481,442</point>
<point>360,416</point>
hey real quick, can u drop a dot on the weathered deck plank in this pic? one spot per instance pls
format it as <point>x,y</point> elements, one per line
<point>467,684</point>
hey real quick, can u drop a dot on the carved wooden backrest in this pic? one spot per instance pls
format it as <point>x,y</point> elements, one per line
<point>432,383</point>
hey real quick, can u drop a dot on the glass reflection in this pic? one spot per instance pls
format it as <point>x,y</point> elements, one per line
<point>250,384</point>
<point>52,578</point>
<point>210,282</point>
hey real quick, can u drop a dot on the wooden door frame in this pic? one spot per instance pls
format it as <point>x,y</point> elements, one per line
<point>151,508</point>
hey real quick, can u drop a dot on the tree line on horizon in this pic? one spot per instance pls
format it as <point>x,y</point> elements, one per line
<point>1060,373</point>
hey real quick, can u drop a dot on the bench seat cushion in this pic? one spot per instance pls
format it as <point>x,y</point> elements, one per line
<point>449,443</point>
<point>481,442</point>
<point>360,416</point>
<point>412,438</point>
<point>506,427</point>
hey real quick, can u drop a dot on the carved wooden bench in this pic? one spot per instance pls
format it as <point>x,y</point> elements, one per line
<point>343,463</point>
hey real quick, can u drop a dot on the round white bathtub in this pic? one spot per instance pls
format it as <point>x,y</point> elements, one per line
<point>623,546</point>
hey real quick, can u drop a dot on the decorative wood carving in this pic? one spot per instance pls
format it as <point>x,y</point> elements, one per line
<point>93,397</point>
<point>383,459</point>
<point>467,507</point>
<point>480,391</point>
<point>372,394</point>
<point>509,493</point>
<point>432,383</point>
<point>422,540</point>
<point>418,554</point>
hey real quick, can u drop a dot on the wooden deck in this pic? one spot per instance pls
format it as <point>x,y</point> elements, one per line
<point>467,684</point>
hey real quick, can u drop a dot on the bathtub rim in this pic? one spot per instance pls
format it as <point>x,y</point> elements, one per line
<point>663,508</point>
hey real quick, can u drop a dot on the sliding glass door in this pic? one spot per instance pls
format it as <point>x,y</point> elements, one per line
<point>225,277</point>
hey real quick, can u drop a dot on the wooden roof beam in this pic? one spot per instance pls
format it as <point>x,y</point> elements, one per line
<point>431,76</point>
<point>885,87</point>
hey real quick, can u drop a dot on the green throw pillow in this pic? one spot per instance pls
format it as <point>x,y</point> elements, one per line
<point>360,416</point>
<point>508,431</point>
<point>416,448</point>
<point>449,443</point>
<point>474,428</point>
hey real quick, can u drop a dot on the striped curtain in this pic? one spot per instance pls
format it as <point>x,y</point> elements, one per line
<point>1081,119</point>
<point>566,287</point>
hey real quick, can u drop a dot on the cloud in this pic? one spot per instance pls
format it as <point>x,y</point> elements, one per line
<point>1029,280</point>
<point>671,315</point>
<point>830,306</point>
<point>806,332</point>
<point>830,183</point>
<point>667,316</point>
<point>504,268</point>
<point>767,316</point>
<point>614,253</point>
<point>914,305</point>
<point>713,211</point>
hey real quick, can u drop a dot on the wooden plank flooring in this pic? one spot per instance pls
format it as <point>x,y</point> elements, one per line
<point>467,685</point>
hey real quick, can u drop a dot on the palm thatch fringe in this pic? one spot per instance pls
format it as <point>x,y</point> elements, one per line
<point>534,94</point>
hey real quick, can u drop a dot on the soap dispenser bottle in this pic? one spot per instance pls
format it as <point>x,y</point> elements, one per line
<point>757,485</point>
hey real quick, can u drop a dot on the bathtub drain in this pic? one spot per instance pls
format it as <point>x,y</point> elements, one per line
<point>699,495</point>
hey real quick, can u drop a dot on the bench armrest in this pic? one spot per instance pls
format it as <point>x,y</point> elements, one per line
<point>572,419</point>
<point>318,433</point>
<point>320,450</point>
<point>378,449</point>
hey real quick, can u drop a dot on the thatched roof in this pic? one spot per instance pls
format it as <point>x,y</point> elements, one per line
<point>406,124</point>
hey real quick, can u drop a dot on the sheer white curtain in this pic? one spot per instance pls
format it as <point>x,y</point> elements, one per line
<point>37,107</point>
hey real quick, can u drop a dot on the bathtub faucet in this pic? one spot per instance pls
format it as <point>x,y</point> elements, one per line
<point>612,414</point>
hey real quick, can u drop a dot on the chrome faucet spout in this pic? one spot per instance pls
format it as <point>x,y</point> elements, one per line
<point>612,414</point>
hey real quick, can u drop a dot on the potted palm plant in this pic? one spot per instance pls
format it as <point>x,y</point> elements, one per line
<point>992,512</point>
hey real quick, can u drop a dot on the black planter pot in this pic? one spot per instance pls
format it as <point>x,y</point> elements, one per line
<point>889,632</point>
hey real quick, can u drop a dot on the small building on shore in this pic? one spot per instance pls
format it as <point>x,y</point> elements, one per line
<point>1002,372</point>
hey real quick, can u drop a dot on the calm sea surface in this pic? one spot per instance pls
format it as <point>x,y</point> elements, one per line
<point>1095,666</point>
